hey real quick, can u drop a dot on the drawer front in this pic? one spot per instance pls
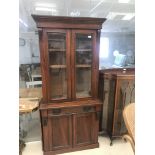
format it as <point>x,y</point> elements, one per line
<point>71,110</point>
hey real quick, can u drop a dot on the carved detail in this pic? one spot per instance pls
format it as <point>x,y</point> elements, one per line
<point>127,91</point>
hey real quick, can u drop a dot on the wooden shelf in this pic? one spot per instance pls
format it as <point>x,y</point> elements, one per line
<point>59,98</point>
<point>57,40</point>
<point>63,50</point>
<point>83,66</point>
<point>83,94</point>
<point>83,50</point>
<point>56,50</point>
<point>57,66</point>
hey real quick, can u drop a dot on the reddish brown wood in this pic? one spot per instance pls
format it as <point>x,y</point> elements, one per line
<point>117,94</point>
<point>73,69</point>
<point>68,22</point>
<point>44,127</point>
<point>76,124</point>
<point>97,61</point>
<point>69,73</point>
<point>69,124</point>
<point>84,129</point>
<point>94,65</point>
<point>71,104</point>
<point>60,132</point>
<point>46,61</point>
<point>43,66</point>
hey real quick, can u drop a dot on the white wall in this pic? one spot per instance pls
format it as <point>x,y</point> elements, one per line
<point>29,53</point>
<point>123,42</point>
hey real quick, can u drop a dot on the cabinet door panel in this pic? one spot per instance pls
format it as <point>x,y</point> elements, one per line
<point>60,131</point>
<point>84,127</point>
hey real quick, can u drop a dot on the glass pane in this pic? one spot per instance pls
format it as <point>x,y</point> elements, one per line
<point>83,65</point>
<point>57,65</point>
<point>127,91</point>
<point>58,83</point>
<point>117,50</point>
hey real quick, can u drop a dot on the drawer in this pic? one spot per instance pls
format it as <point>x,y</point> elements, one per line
<point>70,110</point>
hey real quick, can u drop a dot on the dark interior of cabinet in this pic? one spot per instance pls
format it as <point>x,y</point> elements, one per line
<point>83,65</point>
<point>58,83</point>
<point>57,65</point>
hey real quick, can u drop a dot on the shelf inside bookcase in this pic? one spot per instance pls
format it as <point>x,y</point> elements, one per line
<point>83,66</point>
<point>82,94</point>
<point>83,50</point>
<point>56,50</point>
<point>57,66</point>
<point>57,40</point>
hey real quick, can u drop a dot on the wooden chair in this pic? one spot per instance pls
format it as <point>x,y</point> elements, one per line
<point>32,75</point>
<point>33,83</point>
<point>129,119</point>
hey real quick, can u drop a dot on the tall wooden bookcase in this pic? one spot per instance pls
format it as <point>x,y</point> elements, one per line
<point>69,110</point>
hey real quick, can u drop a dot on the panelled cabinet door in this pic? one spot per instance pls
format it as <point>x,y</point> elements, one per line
<point>60,132</point>
<point>83,61</point>
<point>58,49</point>
<point>84,128</point>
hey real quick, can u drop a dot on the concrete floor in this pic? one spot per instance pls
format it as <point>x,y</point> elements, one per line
<point>119,147</point>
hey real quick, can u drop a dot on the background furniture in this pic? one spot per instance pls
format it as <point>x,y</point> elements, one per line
<point>129,119</point>
<point>69,108</point>
<point>26,106</point>
<point>30,93</point>
<point>116,90</point>
<point>33,84</point>
<point>34,78</point>
<point>36,74</point>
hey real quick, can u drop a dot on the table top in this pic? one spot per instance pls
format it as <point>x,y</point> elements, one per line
<point>27,105</point>
<point>30,92</point>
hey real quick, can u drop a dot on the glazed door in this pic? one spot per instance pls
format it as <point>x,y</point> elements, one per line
<point>84,59</point>
<point>58,47</point>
